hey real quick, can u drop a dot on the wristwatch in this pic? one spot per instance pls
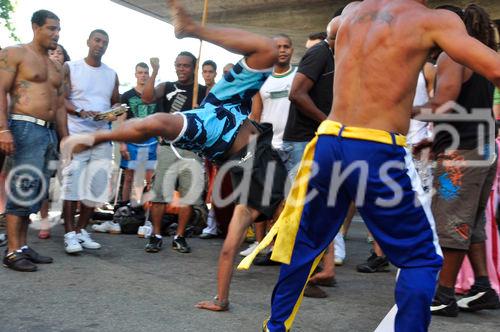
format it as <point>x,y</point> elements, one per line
<point>77,111</point>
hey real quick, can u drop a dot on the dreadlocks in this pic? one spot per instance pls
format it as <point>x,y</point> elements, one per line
<point>479,25</point>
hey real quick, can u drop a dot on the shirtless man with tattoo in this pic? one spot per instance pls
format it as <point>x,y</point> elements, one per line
<point>28,131</point>
<point>380,48</point>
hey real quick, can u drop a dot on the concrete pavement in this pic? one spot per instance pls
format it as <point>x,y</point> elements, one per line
<point>122,288</point>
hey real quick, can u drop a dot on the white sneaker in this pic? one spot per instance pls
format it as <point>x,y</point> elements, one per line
<point>145,231</point>
<point>339,244</point>
<point>101,228</point>
<point>71,243</point>
<point>114,228</point>
<point>86,241</point>
<point>107,227</point>
<point>249,250</point>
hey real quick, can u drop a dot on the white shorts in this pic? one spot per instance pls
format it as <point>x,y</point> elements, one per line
<point>87,177</point>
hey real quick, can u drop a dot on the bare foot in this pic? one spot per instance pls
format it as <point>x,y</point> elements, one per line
<point>74,144</point>
<point>212,306</point>
<point>184,25</point>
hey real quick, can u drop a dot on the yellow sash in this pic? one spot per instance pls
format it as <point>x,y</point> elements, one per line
<point>286,227</point>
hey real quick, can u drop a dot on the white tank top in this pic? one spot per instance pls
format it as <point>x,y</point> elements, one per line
<point>91,90</point>
<point>419,129</point>
<point>275,103</point>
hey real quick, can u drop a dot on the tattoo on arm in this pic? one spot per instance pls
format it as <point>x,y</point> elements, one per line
<point>4,62</point>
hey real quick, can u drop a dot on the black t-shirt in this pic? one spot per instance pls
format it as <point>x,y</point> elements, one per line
<point>318,65</point>
<point>476,93</point>
<point>138,109</point>
<point>178,97</point>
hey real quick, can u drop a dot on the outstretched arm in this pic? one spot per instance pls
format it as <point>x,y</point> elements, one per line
<point>449,33</point>
<point>138,130</point>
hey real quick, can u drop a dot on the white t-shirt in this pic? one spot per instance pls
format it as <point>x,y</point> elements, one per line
<point>419,129</point>
<point>91,90</point>
<point>275,103</point>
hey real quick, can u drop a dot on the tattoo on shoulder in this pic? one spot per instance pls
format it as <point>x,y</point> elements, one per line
<point>375,16</point>
<point>4,62</point>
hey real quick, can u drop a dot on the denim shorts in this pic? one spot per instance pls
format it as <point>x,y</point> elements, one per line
<point>33,162</point>
<point>291,153</point>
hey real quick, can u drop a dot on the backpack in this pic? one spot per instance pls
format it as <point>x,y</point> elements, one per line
<point>129,218</point>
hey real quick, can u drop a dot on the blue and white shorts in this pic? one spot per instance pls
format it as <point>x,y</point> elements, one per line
<point>212,128</point>
<point>140,154</point>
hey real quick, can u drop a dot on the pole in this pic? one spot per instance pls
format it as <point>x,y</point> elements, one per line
<point>197,67</point>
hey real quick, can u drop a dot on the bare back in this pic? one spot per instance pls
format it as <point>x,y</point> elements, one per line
<point>379,53</point>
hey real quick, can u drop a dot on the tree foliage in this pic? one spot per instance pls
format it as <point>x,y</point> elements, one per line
<point>6,9</point>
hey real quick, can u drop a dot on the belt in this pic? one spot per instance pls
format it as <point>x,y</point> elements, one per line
<point>329,127</point>
<point>27,118</point>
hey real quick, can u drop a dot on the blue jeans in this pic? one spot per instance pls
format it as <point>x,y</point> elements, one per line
<point>28,180</point>
<point>292,153</point>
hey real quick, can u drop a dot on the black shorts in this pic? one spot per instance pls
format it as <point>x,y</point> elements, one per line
<point>263,188</point>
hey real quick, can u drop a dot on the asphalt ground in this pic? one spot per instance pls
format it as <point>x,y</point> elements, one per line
<point>122,288</point>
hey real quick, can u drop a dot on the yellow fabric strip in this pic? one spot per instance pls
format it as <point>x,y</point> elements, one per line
<point>289,321</point>
<point>286,227</point>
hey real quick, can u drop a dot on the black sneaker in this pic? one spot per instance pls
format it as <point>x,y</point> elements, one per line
<point>479,299</point>
<point>374,264</point>
<point>36,258</point>
<point>180,244</point>
<point>154,244</point>
<point>438,308</point>
<point>19,262</point>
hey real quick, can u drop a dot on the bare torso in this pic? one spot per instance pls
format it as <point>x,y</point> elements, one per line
<point>378,55</point>
<point>37,85</point>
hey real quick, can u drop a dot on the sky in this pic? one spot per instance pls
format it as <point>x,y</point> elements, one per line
<point>134,37</point>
